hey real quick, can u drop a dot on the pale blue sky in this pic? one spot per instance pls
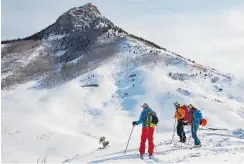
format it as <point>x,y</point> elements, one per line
<point>25,17</point>
<point>208,31</point>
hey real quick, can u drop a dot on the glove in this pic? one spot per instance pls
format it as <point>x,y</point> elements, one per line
<point>134,123</point>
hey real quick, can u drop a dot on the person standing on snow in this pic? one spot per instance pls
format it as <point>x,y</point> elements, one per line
<point>179,116</point>
<point>147,130</point>
<point>195,118</point>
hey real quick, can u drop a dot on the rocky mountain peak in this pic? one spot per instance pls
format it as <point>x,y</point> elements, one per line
<point>92,8</point>
<point>87,10</point>
<point>78,19</point>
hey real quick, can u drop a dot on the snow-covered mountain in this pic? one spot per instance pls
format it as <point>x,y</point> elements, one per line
<point>63,50</point>
<point>83,77</point>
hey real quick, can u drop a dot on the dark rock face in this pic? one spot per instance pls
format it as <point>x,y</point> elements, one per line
<point>74,20</point>
<point>78,19</point>
<point>76,29</point>
<point>90,85</point>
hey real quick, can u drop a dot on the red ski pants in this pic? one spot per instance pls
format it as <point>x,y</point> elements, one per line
<point>147,133</point>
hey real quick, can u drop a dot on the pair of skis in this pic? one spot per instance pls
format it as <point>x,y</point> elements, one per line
<point>148,158</point>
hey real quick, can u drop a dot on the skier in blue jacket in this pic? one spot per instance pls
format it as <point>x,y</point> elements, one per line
<point>147,130</point>
<point>196,116</point>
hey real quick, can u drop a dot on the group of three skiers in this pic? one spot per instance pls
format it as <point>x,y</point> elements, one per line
<point>185,115</point>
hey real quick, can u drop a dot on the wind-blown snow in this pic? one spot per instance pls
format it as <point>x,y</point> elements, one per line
<point>65,123</point>
<point>55,37</point>
<point>75,60</point>
<point>60,53</point>
<point>5,75</point>
<point>4,45</point>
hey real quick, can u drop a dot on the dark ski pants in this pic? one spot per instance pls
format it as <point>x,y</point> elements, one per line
<point>180,130</point>
<point>194,129</point>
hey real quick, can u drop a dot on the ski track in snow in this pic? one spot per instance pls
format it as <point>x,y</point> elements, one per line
<point>213,145</point>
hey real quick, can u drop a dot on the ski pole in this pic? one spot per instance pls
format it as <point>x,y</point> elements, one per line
<point>129,138</point>
<point>155,148</point>
<point>173,132</point>
<point>189,138</point>
<point>184,135</point>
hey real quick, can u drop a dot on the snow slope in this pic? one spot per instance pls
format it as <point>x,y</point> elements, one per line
<point>218,146</point>
<point>64,124</point>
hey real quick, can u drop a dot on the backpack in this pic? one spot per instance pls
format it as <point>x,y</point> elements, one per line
<point>154,117</point>
<point>190,116</point>
<point>185,108</point>
<point>198,116</point>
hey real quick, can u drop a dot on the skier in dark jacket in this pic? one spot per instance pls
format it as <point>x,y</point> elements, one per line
<point>179,116</point>
<point>147,130</point>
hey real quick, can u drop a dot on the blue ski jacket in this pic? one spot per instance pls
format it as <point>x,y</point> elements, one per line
<point>197,117</point>
<point>144,118</point>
